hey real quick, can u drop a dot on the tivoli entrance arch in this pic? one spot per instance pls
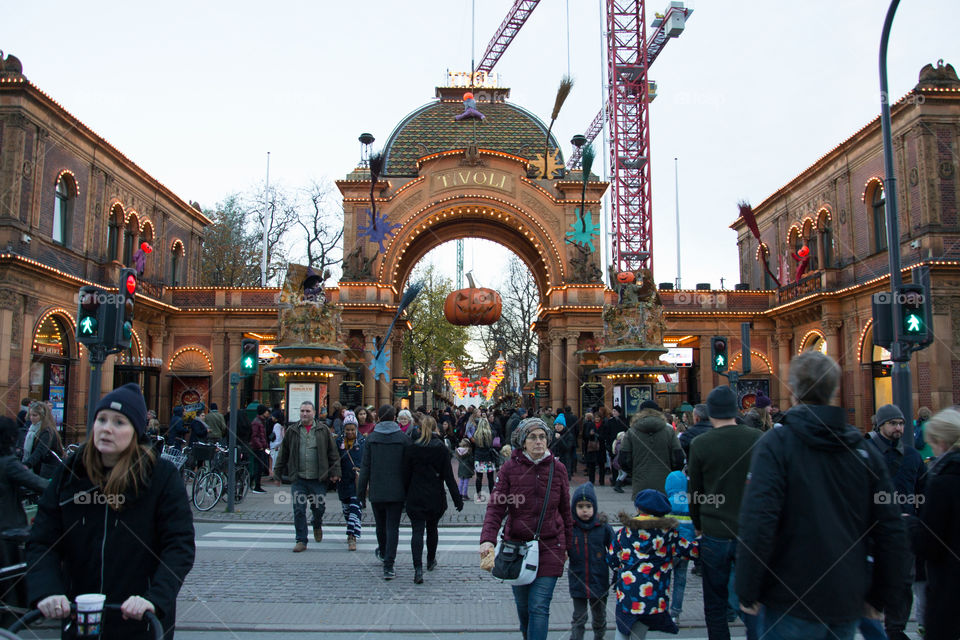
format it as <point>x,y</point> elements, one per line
<point>445,179</point>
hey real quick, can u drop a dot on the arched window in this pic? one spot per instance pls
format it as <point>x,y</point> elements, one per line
<point>879,202</point>
<point>113,230</point>
<point>763,255</point>
<point>176,257</point>
<point>130,233</point>
<point>63,209</point>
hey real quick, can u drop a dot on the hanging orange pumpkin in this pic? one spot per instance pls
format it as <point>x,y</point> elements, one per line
<point>472,306</point>
<point>625,277</point>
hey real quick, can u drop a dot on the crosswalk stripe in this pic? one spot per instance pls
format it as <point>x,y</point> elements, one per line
<point>326,545</point>
<point>280,536</point>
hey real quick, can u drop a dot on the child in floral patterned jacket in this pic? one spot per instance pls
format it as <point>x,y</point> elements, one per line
<point>642,556</point>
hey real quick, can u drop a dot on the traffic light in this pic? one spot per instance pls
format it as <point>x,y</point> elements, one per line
<point>719,357</point>
<point>92,315</point>
<point>126,298</point>
<point>882,319</point>
<point>913,313</point>
<point>249,356</point>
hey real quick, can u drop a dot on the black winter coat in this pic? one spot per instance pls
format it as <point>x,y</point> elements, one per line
<point>13,477</point>
<point>425,470</point>
<point>610,429</point>
<point>906,470</point>
<point>810,517</point>
<point>381,470</point>
<point>937,543</point>
<point>42,460</point>
<point>588,573</point>
<point>687,436</point>
<point>79,544</point>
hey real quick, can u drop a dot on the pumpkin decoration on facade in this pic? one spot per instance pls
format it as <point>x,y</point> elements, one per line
<point>472,306</point>
<point>626,277</point>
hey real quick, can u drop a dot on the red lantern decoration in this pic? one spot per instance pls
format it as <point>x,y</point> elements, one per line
<point>804,251</point>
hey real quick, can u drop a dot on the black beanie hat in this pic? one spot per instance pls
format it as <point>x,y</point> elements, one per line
<point>129,401</point>
<point>722,403</point>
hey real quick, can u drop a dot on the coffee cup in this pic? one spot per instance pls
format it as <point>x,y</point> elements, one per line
<point>90,614</point>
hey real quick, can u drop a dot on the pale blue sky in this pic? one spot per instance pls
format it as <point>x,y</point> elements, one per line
<point>197,92</point>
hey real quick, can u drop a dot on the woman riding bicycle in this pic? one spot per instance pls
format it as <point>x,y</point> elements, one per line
<point>114,520</point>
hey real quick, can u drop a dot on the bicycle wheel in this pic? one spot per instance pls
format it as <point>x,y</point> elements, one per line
<point>188,476</point>
<point>243,483</point>
<point>207,490</point>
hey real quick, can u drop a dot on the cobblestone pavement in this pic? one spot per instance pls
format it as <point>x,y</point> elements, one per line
<point>252,588</point>
<point>257,588</point>
<point>338,590</point>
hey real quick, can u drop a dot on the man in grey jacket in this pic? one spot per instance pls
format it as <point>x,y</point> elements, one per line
<point>381,471</point>
<point>309,457</point>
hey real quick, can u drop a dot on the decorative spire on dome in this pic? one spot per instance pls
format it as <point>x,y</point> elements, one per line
<point>10,66</point>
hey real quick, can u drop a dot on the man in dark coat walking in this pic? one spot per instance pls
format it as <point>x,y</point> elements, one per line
<point>812,518</point>
<point>701,424</point>
<point>718,468</point>
<point>905,467</point>
<point>381,473</point>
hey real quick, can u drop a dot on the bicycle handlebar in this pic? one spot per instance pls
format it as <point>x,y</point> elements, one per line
<point>32,616</point>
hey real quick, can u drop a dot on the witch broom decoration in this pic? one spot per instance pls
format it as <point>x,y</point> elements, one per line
<point>566,84</point>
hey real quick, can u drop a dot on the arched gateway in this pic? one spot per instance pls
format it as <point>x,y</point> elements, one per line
<point>446,179</point>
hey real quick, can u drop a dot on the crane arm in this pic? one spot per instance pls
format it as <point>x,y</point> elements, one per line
<point>664,28</point>
<point>516,17</point>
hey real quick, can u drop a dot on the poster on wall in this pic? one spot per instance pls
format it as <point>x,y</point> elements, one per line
<point>636,394</point>
<point>747,391</point>
<point>618,396</point>
<point>190,393</point>
<point>56,397</point>
<point>300,392</point>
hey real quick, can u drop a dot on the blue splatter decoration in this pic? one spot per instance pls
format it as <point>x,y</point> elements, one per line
<point>583,230</point>
<point>378,230</point>
<point>380,365</point>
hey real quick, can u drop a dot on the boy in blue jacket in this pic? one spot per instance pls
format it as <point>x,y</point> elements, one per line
<point>588,574</point>
<point>676,490</point>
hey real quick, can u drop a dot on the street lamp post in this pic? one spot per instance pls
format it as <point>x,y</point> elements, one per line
<point>899,349</point>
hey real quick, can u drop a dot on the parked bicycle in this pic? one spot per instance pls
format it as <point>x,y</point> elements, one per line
<point>211,482</point>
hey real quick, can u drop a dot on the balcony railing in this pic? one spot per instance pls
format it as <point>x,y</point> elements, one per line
<point>812,283</point>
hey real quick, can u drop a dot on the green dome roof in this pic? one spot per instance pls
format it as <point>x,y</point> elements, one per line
<point>432,129</point>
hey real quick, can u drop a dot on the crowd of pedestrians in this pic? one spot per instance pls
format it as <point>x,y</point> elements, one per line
<point>795,522</point>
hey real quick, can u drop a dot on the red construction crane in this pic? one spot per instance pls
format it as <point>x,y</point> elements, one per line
<point>508,29</point>
<point>629,56</point>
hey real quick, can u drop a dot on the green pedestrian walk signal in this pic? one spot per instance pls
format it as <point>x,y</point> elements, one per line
<point>719,356</point>
<point>92,313</point>
<point>249,356</point>
<point>913,313</point>
<point>88,326</point>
